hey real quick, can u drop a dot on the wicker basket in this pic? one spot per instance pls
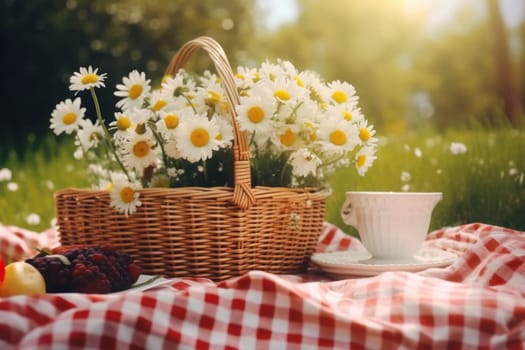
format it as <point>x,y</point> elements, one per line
<point>216,232</point>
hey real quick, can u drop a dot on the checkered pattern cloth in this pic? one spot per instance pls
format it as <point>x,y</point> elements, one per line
<point>478,302</point>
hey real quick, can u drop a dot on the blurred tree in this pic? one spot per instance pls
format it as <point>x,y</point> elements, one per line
<point>457,70</point>
<point>463,70</point>
<point>403,72</point>
<point>44,42</point>
<point>368,44</point>
<point>500,47</point>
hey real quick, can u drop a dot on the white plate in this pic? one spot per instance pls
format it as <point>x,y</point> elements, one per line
<point>344,264</point>
<point>146,282</point>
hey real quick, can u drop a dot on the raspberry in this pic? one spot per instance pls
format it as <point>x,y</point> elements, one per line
<point>91,270</point>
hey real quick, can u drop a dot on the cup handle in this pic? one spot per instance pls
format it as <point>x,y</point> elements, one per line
<point>347,213</point>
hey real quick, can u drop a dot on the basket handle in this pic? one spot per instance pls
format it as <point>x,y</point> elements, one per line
<point>243,195</point>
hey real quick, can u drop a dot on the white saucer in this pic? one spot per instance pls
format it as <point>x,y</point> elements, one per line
<point>344,264</point>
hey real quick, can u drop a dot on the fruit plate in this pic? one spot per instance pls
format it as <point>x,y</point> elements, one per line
<point>146,282</point>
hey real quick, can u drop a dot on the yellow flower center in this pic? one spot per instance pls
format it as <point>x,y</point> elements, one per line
<point>94,136</point>
<point>127,195</point>
<point>364,134</point>
<point>171,121</point>
<point>338,137</point>
<point>288,138</point>
<point>135,91</point>
<point>69,118</point>
<point>123,123</point>
<point>159,105</point>
<point>109,187</point>
<point>140,129</point>
<point>165,78</point>
<point>339,96</point>
<point>213,97</point>
<point>361,160</point>
<point>282,95</point>
<point>240,76</point>
<point>89,79</point>
<point>347,115</point>
<point>218,137</point>
<point>299,81</point>
<point>199,137</point>
<point>141,149</point>
<point>256,114</point>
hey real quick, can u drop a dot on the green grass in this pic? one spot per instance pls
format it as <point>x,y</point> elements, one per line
<point>485,184</point>
<point>44,168</point>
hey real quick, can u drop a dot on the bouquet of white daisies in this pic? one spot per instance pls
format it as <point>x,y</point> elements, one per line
<point>300,129</point>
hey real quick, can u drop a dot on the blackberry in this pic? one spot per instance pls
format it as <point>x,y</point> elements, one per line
<point>100,270</point>
<point>56,272</point>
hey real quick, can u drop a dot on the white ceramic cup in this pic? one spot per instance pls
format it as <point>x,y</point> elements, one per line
<point>391,225</point>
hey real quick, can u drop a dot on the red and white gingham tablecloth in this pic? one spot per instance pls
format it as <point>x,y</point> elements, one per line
<point>478,302</point>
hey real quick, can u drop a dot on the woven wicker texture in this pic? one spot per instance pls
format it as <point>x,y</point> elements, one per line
<point>216,232</point>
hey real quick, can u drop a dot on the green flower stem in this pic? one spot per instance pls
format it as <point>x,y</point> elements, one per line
<point>205,171</point>
<point>107,133</point>
<point>283,171</point>
<point>293,116</point>
<point>335,160</point>
<point>160,142</point>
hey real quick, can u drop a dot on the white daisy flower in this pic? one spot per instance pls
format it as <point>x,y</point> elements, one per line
<point>5,174</point>
<point>458,148</point>
<point>254,113</point>
<point>66,116</point>
<point>159,101</point>
<point>310,80</point>
<point>343,92</point>
<point>225,136</point>
<point>124,195</point>
<point>270,71</point>
<point>245,77</point>
<point>197,138</point>
<point>133,91</point>
<point>366,133</point>
<point>139,151</point>
<point>89,134</point>
<point>364,159</point>
<point>338,136</point>
<point>178,85</point>
<point>167,123</point>
<point>172,150</point>
<point>212,95</point>
<point>139,115</point>
<point>123,125</point>
<point>287,90</point>
<point>347,112</point>
<point>12,186</point>
<point>287,137</point>
<point>129,120</point>
<point>33,219</point>
<point>304,162</point>
<point>405,176</point>
<point>86,78</point>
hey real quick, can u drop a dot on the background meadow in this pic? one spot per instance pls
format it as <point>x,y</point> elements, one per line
<point>442,81</point>
<point>480,172</point>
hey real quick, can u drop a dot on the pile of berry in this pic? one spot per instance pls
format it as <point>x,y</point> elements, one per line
<point>86,269</point>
